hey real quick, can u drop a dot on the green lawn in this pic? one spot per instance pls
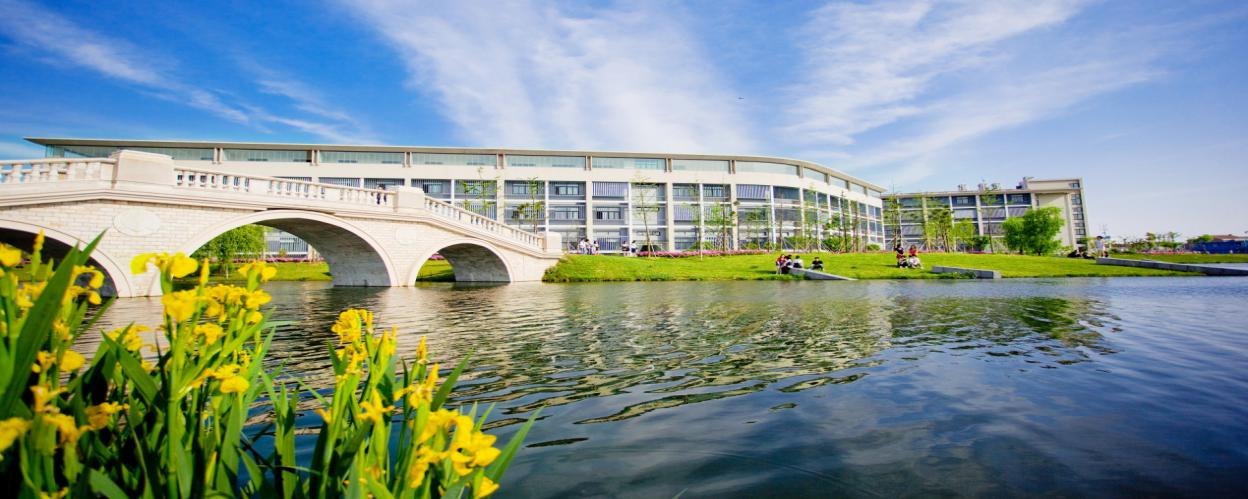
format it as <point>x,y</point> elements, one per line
<point>436,271</point>
<point>1186,258</point>
<point>581,268</point>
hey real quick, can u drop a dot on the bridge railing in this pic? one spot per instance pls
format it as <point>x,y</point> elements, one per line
<point>482,222</point>
<point>31,171</point>
<point>50,170</point>
<point>279,187</point>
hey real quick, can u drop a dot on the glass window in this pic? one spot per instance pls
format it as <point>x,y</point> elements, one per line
<point>991,200</point>
<point>426,158</point>
<point>525,188</point>
<point>434,187</point>
<point>858,188</point>
<point>343,181</point>
<point>685,191</point>
<point>815,175</point>
<point>1019,198</point>
<point>474,188</point>
<point>378,183</point>
<point>964,201</point>
<point>762,167</point>
<point>180,154</point>
<point>608,213</point>
<point>384,158</point>
<point>631,163</point>
<point>714,191</point>
<point>751,191</point>
<point>1074,185</point>
<point>567,188</point>
<point>648,193</point>
<point>566,212</point>
<point>266,155</point>
<point>705,165</point>
<point>545,161</point>
<point>786,193</point>
<point>610,189</point>
<point>874,193</point>
<point>1076,199</point>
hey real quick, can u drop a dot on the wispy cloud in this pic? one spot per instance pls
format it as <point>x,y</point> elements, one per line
<point>60,41</point>
<point>938,73</point>
<point>535,75</point>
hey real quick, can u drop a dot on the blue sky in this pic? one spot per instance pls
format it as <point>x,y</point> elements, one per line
<point>1146,100</point>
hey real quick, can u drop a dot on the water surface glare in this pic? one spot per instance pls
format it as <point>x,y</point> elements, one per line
<point>1075,387</point>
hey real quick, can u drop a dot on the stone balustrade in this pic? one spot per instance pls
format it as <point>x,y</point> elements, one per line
<point>138,171</point>
<point>29,171</point>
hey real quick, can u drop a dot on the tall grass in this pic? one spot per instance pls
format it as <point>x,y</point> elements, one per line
<point>123,427</point>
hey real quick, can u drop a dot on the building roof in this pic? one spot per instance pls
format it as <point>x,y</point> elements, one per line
<point>55,141</point>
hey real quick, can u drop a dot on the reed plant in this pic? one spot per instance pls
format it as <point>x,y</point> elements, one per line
<point>170,411</point>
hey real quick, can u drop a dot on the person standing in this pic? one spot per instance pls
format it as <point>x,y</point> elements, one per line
<point>1100,247</point>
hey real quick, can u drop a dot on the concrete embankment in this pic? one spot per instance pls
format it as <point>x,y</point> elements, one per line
<point>1180,267</point>
<point>820,276</point>
<point>977,273</point>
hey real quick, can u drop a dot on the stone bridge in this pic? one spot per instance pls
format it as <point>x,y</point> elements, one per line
<point>144,203</point>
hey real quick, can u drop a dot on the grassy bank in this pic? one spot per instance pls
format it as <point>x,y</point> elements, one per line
<point>1187,258</point>
<point>581,268</point>
<point>434,270</point>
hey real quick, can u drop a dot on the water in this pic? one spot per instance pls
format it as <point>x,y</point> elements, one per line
<point>1076,387</point>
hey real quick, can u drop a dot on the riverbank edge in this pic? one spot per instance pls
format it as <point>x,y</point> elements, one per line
<point>863,266</point>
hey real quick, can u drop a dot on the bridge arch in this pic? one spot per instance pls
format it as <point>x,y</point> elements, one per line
<point>472,260</point>
<point>57,244</point>
<point>354,257</point>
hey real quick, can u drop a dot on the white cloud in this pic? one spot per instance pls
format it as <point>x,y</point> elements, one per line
<point>920,77</point>
<point>868,65</point>
<point>528,74</point>
<point>59,41</point>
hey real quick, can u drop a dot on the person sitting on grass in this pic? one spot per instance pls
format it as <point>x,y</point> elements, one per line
<point>901,256</point>
<point>781,262</point>
<point>913,261</point>
<point>797,262</point>
<point>816,264</point>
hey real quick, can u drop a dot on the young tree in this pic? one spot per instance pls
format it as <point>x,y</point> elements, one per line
<point>480,194</point>
<point>242,242</point>
<point>533,209</point>
<point>645,204</point>
<point>963,232</point>
<point>940,226</point>
<point>892,220</point>
<point>1035,232</point>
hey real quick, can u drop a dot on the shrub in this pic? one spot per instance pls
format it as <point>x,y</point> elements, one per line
<point>121,426</point>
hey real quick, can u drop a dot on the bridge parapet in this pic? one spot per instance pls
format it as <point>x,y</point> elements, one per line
<point>42,171</point>
<point>141,175</point>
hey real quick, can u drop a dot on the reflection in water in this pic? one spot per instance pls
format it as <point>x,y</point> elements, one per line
<point>719,355</point>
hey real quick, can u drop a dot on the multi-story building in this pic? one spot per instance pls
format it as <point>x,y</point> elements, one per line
<point>988,206</point>
<point>607,197</point>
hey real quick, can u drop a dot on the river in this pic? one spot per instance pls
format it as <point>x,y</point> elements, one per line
<point>1021,387</point>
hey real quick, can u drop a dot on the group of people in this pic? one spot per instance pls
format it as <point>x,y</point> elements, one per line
<point>908,260</point>
<point>587,247</point>
<point>629,249</point>
<point>786,263</point>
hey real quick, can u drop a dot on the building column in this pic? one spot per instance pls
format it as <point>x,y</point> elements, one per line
<point>589,212</point>
<point>736,212</point>
<point>670,218</point>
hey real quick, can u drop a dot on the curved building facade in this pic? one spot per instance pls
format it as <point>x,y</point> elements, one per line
<point>678,200</point>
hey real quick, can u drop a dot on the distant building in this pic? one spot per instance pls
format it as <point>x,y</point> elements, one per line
<point>1221,243</point>
<point>989,205</point>
<point>606,197</point>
